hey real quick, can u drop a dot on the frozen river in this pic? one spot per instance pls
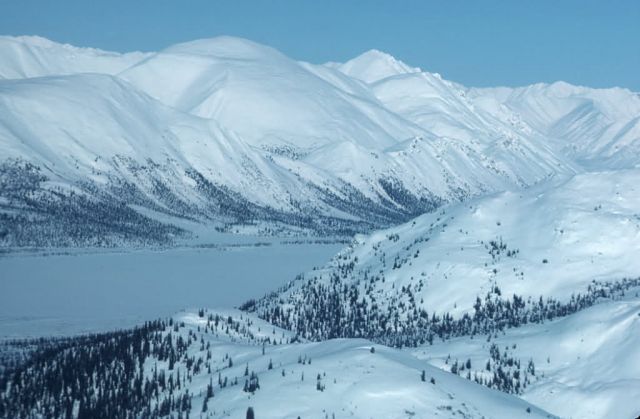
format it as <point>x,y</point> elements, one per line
<point>63,294</point>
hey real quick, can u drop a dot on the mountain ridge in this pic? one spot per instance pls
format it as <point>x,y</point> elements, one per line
<point>289,140</point>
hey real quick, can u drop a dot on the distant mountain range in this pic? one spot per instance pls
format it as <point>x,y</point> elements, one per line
<point>100,148</point>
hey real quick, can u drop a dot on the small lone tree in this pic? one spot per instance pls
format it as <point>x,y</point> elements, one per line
<point>250,414</point>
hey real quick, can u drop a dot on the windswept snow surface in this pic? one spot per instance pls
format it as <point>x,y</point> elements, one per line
<point>375,65</point>
<point>34,56</point>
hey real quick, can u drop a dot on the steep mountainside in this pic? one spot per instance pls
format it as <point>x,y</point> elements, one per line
<point>598,128</point>
<point>227,131</point>
<point>478,267</point>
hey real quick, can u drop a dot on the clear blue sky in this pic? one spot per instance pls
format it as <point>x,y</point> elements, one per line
<point>477,43</point>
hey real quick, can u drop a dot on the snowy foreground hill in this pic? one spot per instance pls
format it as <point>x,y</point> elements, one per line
<point>217,364</point>
<point>493,262</point>
<point>228,132</point>
<point>534,293</point>
<point>586,364</point>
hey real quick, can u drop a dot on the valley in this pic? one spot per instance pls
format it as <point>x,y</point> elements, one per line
<point>96,291</point>
<point>214,226</point>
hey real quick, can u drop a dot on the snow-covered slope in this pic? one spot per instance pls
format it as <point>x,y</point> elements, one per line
<point>335,123</point>
<point>532,292</point>
<point>551,240</point>
<point>586,365</point>
<point>218,363</point>
<point>354,381</point>
<point>263,95</point>
<point>89,122</point>
<point>34,56</point>
<point>98,136</point>
<point>476,267</point>
<point>598,127</point>
<point>375,65</point>
<point>365,144</point>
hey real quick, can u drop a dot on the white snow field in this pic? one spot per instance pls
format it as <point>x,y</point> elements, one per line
<point>587,364</point>
<point>355,382</point>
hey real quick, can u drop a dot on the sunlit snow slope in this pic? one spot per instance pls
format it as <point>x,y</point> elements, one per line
<point>477,267</point>
<point>227,131</point>
<point>532,292</point>
<point>587,364</point>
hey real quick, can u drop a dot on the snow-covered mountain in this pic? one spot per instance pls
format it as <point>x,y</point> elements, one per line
<point>533,292</point>
<point>374,65</point>
<point>266,97</point>
<point>508,256</point>
<point>574,238</point>
<point>227,131</point>
<point>219,363</point>
<point>586,364</point>
<point>34,56</point>
<point>599,128</point>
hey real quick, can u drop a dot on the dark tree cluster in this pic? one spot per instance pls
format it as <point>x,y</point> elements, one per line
<point>33,213</point>
<point>412,205</point>
<point>319,310</point>
<point>502,371</point>
<point>96,376</point>
<point>140,372</point>
<point>497,247</point>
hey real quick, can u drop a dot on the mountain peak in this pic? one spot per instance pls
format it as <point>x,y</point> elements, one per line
<point>225,46</point>
<point>374,65</point>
